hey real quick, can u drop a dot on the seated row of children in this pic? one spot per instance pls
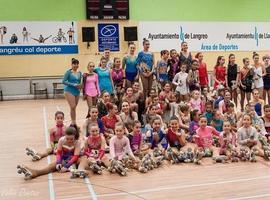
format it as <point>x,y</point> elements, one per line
<point>73,152</point>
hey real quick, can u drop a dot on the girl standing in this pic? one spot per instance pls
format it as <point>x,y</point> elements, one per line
<point>104,77</point>
<point>119,79</point>
<point>193,76</point>
<point>173,64</point>
<point>219,73</point>
<point>246,82</point>
<point>266,78</point>
<point>185,56</point>
<point>162,65</point>
<point>232,77</point>
<point>258,70</point>
<point>91,85</point>
<point>130,66</point>
<point>203,76</point>
<point>72,82</point>
<point>181,82</point>
<point>145,62</point>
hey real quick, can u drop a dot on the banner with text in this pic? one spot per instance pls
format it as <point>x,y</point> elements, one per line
<point>23,38</point>
<point>206,36</point>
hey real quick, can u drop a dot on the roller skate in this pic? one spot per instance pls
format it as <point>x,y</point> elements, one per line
<point>95,168</point>
<point>32,153</point>
<point>198,155</point>
<point>220,159</point>
<point>172,156</point>
<point>78,173</point>
<point>234,156</point>
<point>27,173</point>
<point>117,167</point>
<point>189,156</point>
<point>253,153</point>
<point>208,152</point>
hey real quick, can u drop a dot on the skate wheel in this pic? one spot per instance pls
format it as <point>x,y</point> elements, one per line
<point>19,171</point>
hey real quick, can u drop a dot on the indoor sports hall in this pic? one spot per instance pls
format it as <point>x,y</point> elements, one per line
<point>134,99</point>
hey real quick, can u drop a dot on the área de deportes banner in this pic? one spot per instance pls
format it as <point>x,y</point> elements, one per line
<point>23,38</point>
<point>206,36</point>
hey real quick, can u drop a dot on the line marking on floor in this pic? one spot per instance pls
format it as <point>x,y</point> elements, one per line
<point>50,177</point>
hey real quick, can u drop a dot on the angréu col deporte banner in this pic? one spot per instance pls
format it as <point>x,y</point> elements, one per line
<point>28,38</point>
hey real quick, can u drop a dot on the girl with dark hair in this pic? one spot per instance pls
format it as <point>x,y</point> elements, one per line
<point>104,77</point>
<point>127,115</point>
<point>110,120</point>
<point>266,78</point>
<point>232,77</point>
<point>131,99</point>
<point>101,105</point>
<point>162,66</point>
<point>219,73</point>
<point>193,76</point>
<point>194,124</point>
<point>119,79</point>
<point>68,150</point>
<point>55,134</point>
<point>185,56</point>
<point>72,82</point>
<point>91,118</point>
<point>145,62</point>
<point>246,82</point>
<point>202,68</point>
<point>173,64</point>
<point>129,64</point>
<point>259,72</point>
<point>248,135</point>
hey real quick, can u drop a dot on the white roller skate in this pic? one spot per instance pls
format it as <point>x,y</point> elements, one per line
<point>78,173</point>
<point>33,154</point>
<point>27,173</point>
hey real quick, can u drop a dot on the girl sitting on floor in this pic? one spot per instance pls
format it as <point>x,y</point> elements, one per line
<point>204,134</point>
<point>55,134</point>
<point>227,139</point>
<point>68,150</point>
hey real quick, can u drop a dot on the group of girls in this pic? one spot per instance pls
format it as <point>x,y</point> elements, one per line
<point>96,143</point>
<point>128,114</point>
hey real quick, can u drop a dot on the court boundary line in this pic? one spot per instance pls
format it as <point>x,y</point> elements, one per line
<point>86,179</point>
<point>251,197</point>
<point>158,189</point>
<point>50,177</point>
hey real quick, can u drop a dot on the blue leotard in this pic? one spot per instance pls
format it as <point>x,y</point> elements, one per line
<point>70,81</point>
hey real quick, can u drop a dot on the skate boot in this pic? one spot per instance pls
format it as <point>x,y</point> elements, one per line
<point>33,154</point>
<point>23,170</point>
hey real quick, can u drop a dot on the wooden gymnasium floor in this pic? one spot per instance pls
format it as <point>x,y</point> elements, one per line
<point>25,123</point>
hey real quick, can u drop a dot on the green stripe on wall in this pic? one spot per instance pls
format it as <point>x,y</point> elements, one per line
<point>141,10</point>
